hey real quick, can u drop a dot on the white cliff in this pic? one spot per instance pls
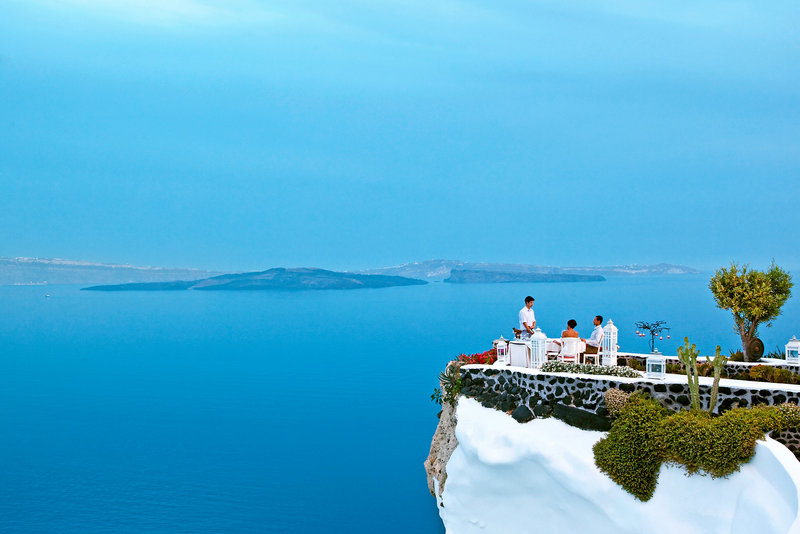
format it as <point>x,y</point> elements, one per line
<point>540,477</point>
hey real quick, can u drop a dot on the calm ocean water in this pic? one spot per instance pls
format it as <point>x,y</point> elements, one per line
<point>267,411</point>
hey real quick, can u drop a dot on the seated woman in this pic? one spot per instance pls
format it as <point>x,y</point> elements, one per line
<point>570,331</point>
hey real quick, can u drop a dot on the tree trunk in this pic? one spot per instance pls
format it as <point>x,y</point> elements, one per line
<point>746,339</point>
<point>748,333</point>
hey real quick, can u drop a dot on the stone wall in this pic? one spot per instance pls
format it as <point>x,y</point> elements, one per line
<point>790,438</point>
<point>581,400</point>
<point>507,389</point>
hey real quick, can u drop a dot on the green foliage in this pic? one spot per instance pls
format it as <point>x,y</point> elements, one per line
<point>644,436</point>
<point>615,400</point>
<point>436,396</point>
<point>705,369</point>
<point>674,368</point>
<point>718,446</point>
<point>736,356</point>
<point>757,373</point>
<point>777,354</point>
<point>718,367</point>
<point>586,369</point>
<point>790,415</point>
<point>450,381</point>
<point>753,297</point>
<point>711,367</point>
<point>688,357</point>
<point>768,373</point>
<point>629,454</point>
<point>635,364</point>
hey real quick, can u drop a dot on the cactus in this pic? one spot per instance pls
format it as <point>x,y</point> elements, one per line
<point>688,356</point>
<point>718,363</point>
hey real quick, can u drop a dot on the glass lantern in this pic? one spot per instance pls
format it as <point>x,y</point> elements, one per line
<point>609,343</point>
<point>793,351</point>
<point>538,348</point>
<point>656,367</point>
<point>501,345</point>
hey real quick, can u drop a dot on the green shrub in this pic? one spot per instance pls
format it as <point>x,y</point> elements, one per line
<point>778,354</point>
<point>761,373</point>
<point>629,454</point>
<point>790,415</point>
<point>768,373</point>
<point>586,369</point>
<point>644,436</point>
<point>784,376</point>
<point>716,445</point>
<point>736,356</point>
<point>635,364</point>
<point>707,369</point>
<point>675,368</point>
<point>450,383</point>
<point>615,400</point>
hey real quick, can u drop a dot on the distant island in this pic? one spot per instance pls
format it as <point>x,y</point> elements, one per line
<point>440,270</point>
<point>466,276</point>
<point>275,279</point>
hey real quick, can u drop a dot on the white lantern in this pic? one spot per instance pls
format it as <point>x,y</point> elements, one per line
<point>609,343</point>
<point>656,367</point>
<point>538,348</point>
<point>502,351</point>
<point>793,351</point>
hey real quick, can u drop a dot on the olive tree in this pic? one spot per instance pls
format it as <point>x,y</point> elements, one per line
<point>753,297</point>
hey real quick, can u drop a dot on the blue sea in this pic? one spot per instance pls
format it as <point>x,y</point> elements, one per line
<point>301,412</point>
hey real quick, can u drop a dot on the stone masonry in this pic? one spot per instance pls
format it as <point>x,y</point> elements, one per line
<point>540,394</point>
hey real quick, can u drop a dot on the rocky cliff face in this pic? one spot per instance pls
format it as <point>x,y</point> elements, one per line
<point>491,474</point>
<point>443,444</point>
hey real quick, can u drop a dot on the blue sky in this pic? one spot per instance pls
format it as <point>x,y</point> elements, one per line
<point>246,135</point>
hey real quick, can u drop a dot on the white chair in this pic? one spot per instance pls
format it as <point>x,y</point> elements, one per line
<point>595,356</point>
<point>518,354</point>
<point>553,348</point>
<point>502,354</point>
<point>570,348</point>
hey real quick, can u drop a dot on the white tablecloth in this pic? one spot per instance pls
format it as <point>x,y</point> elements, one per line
<point>552,346</point>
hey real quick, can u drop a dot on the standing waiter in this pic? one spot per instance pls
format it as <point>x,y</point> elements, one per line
<point>527,320</point>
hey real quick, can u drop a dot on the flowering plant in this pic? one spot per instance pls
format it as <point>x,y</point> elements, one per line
<point>482,358</point>
<point>586,369</point>
<point>450,378</point>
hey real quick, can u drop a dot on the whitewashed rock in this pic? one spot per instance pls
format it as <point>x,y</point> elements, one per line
<point>539,477</point>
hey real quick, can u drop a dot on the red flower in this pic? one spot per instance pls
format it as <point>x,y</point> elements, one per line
<point>483,358</point>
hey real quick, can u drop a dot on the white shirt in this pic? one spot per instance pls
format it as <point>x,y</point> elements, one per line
<point>596,338</point>
<point>526,316</point>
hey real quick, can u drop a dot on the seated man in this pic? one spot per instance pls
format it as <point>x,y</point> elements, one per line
<point>527,320</point>
<point>595,341</point>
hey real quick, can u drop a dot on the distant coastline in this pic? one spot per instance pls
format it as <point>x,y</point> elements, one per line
<point>48,271</point>
<point>440,270</point>
<point>465,276</point>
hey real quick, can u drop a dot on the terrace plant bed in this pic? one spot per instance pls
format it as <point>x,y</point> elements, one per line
<point>588,369</point>
<point>773,373</point>
<point>757,373</point>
